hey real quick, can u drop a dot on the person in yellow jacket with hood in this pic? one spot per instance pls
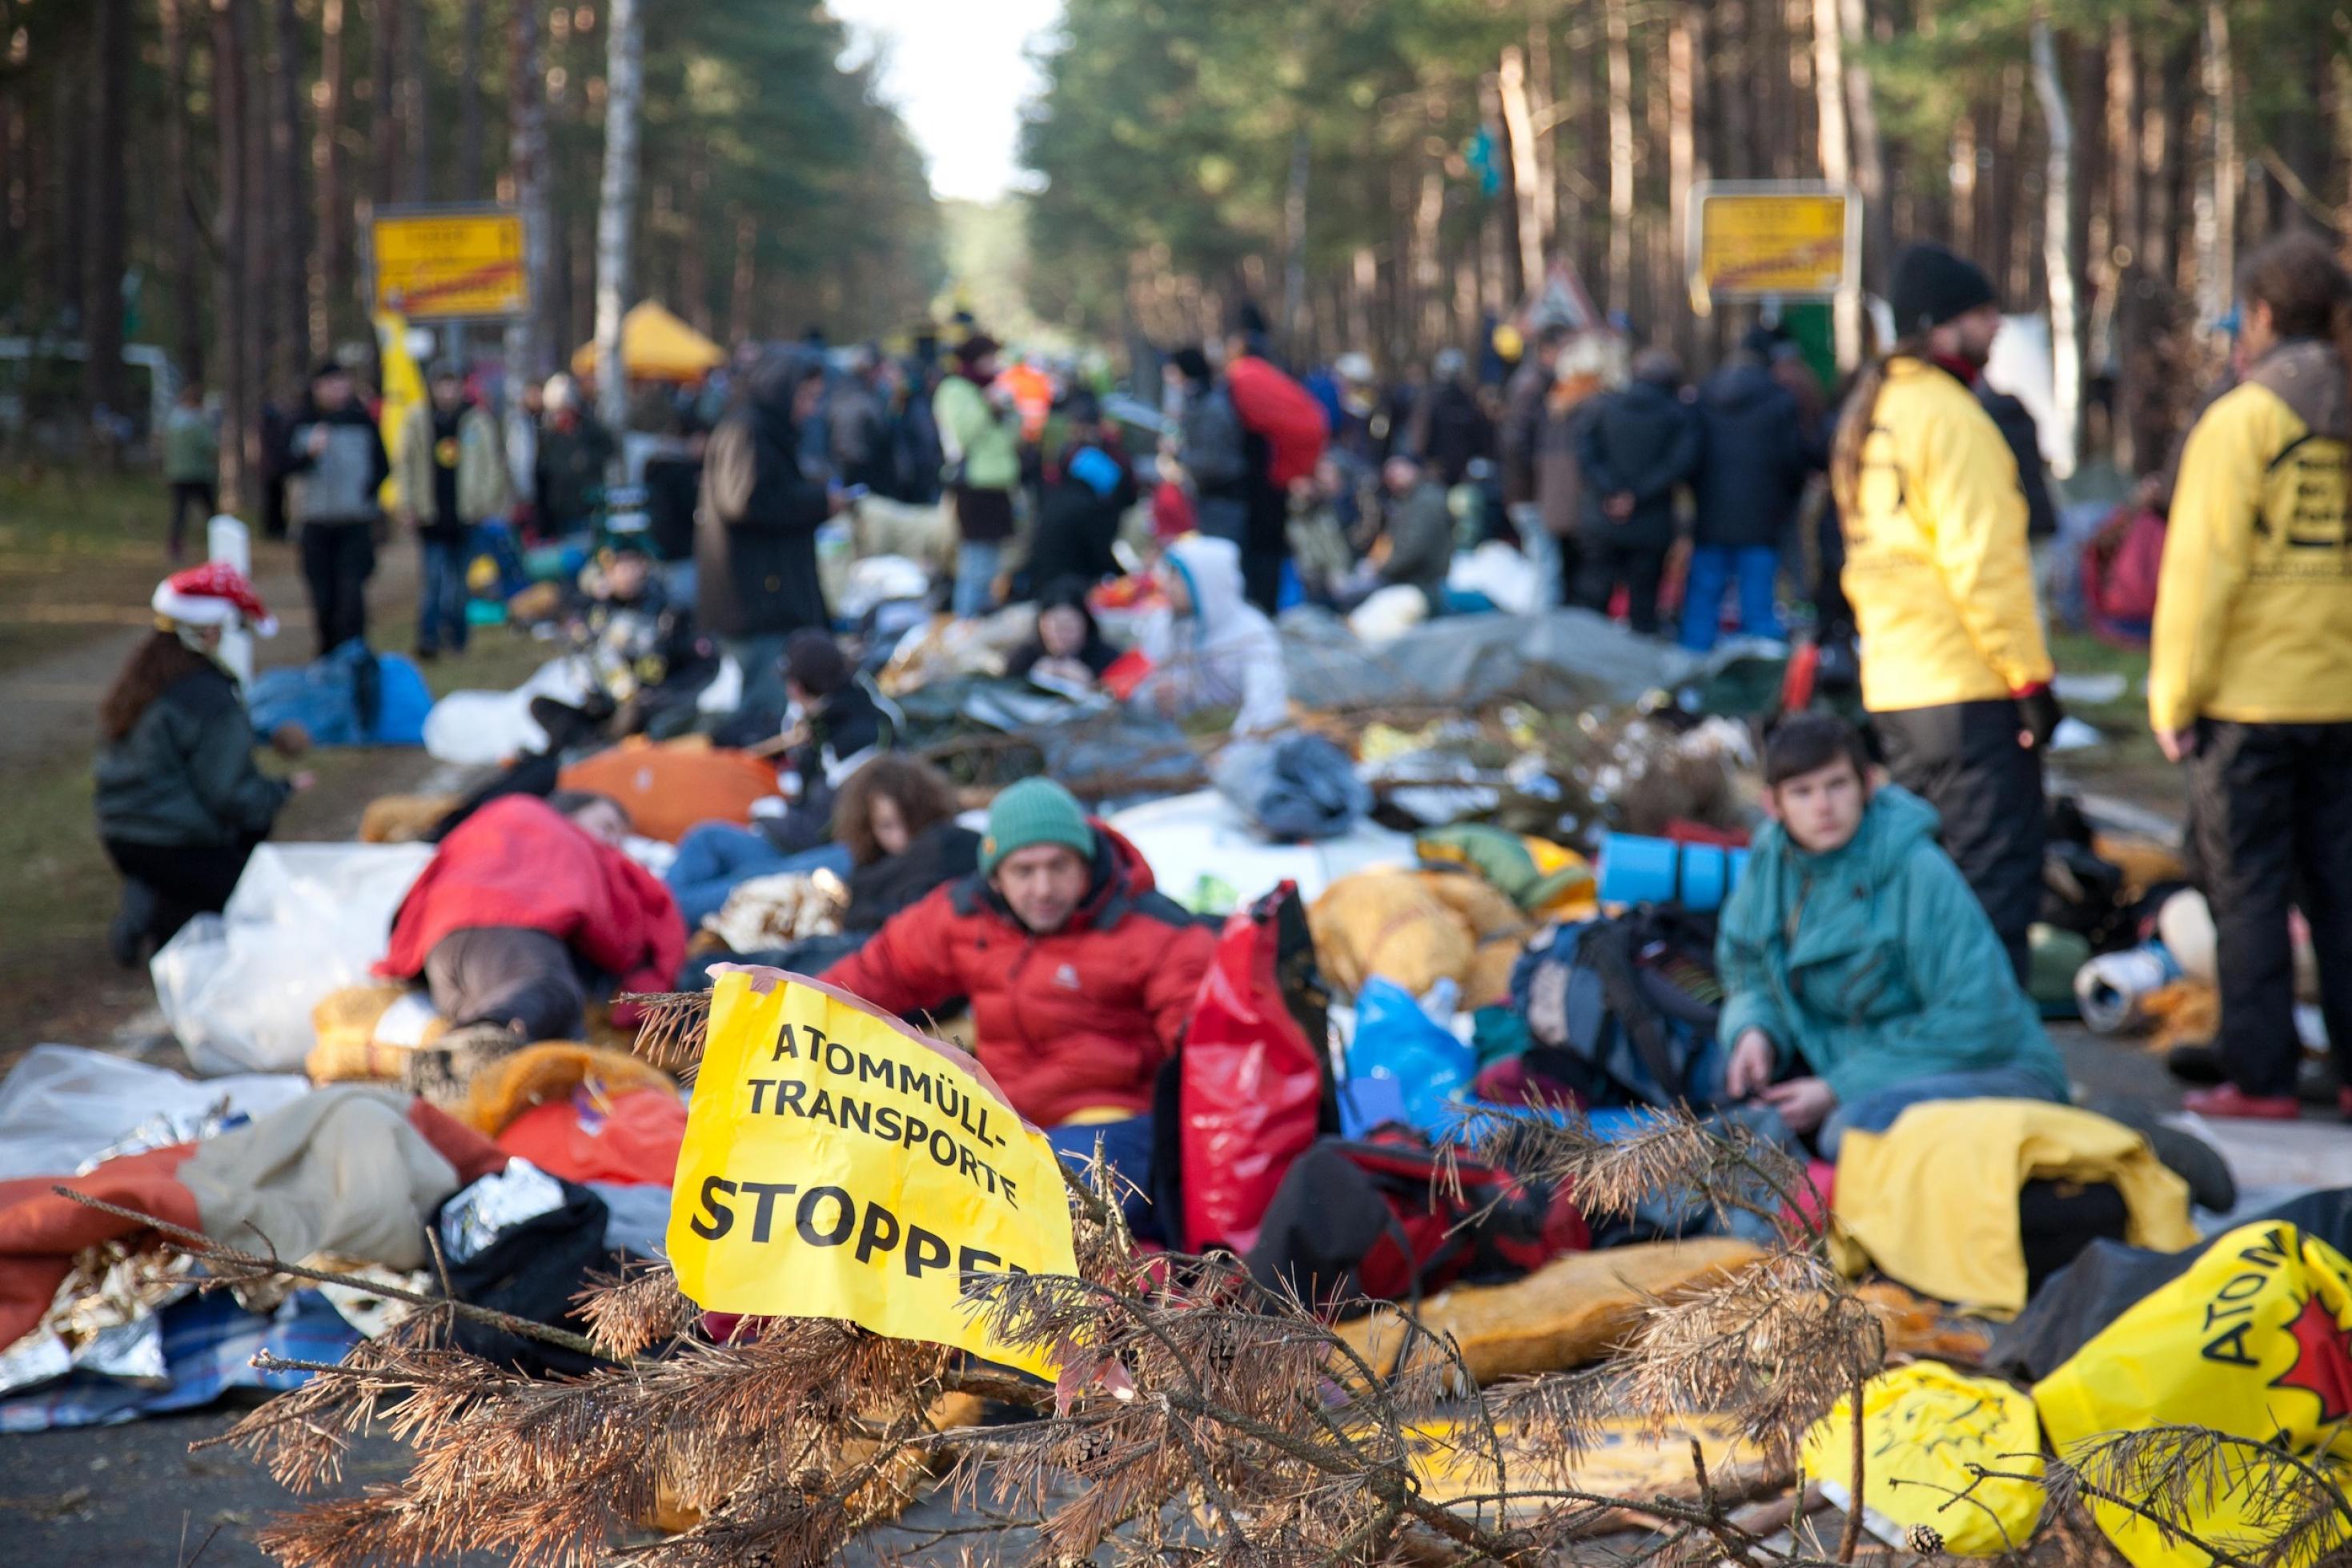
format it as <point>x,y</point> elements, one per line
<point>1954,672</point>
<point>2249,680</point>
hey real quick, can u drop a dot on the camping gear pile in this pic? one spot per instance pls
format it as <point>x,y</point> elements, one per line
<point>1479,877</point>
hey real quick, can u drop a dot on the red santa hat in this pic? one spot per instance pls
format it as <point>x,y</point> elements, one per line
<point>212,594</point>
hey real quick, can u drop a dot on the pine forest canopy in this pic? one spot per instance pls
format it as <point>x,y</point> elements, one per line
<point>1382,174</point>
<point>213,161</point>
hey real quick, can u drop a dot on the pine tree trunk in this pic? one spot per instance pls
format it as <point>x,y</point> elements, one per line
<point>617,208</point>
<point>415,120</point>
<point>530,352</point>
<point>383,104</point>
<point>331,282</point>
<point>232,307</point>
<point>290,237</point>
<point>1865,146</point>
<point>1685,46</point>
<point>115,44</point>
<point>2058,248</point>
<point>472,184</point>
<point>180,201</point>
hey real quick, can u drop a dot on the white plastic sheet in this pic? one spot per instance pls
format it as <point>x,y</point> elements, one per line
<point>1199,846</point>
<point>63,1105</point>
<point>476,728</point>
<point>306,919</point>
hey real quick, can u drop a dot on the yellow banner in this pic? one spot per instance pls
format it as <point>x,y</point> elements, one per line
<point>450,265</point>
<point>838,1165</point>
<point>1761,243</point>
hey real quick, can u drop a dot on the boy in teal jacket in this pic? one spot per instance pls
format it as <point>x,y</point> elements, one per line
<point>1861,974</point>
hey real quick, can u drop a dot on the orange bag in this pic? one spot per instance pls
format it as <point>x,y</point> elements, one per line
<point>667,787</point>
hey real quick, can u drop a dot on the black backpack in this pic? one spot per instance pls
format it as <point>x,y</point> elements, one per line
<point>1635,998</point>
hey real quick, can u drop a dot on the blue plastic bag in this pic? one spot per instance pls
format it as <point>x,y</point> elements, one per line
<point>1394,1039</point>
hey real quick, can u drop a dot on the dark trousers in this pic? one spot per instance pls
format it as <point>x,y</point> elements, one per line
<point>1262,577</point>
<point>2272,810</point>
<point>337,560</point>
<point>442,560</point>
<point>186,493</point>
<point>524,980</point>
<point>187,880</point>
<point>1600,567</point>
<point>1963,759</point>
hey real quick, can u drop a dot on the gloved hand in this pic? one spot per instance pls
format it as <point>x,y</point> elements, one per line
<point>2037,714</point>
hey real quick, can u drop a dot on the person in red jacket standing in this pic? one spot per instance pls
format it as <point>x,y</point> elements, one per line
<point>521,909</point>
<point>1080,976</point>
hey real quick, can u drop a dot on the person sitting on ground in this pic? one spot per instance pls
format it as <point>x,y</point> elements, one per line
<point>524,910</point>
<point>1209,647</point>
<point>1860,976</point>
<point>1420,529</point>
<point>1067,649</point>
<point>895,818</point>
<point>833,724</point>
<point>179,802</point>
<point>1087,491</point>
<point>1080,976</point>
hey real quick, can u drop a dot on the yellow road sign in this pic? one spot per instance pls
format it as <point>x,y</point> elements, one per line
<point>1758,238</point>
<point>449,264</point>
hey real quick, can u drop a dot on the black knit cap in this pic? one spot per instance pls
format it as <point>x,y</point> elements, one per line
<point>1932,286</point>
<point>815,663</point>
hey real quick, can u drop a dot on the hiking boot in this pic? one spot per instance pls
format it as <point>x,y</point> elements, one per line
<point>2227,1100</point>
<point>126,939</point>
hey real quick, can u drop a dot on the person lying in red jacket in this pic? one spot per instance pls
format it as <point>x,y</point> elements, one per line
<point>1080,976</point>
<point>522,908</point>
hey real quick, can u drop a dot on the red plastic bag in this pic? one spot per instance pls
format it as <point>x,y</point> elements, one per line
<point>2120,568</point>
<point>1126,673</point>
<point>632,1139</point>
<point>1251,1091</point>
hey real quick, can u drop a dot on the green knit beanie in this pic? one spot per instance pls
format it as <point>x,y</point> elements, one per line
<point>1034,811</point>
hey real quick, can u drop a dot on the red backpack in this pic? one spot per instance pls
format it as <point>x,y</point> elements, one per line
<point>1274,406</point>
<point>1381,1220</point>
<point>2120,568</point>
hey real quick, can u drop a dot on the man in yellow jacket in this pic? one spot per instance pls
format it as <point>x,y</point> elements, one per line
<point>2251,675</point>
<point>1954,672</point>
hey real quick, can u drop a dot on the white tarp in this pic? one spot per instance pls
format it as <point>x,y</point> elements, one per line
<point>306,919</point>
<point>63,1105</point>
<point>1200,844</point>
<point>478,729</point>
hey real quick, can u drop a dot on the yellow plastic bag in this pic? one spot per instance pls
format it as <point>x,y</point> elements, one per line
<point>2250,1342</point>
<point>1923,1425</point>
<point>838,1165</point>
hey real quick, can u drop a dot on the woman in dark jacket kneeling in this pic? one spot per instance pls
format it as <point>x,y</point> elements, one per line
<point>179,802</point>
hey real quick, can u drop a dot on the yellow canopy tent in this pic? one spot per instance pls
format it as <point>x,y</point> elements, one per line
<point>656,346</point>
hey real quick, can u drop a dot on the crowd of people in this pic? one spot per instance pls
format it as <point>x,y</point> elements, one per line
<point>1874,955</point>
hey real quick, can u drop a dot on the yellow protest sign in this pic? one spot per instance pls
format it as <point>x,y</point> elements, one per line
<point>839,1164</point>
<point>449,264</point>
<point>2255,1339</point>
<point>1755,240</point>
<point>1926,1431</point>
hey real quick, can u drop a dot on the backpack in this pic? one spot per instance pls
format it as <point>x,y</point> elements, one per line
<point>1635,998</point>
<point>1380,1220</point>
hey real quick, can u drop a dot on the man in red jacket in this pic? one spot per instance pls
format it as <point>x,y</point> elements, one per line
<point>1080,976</point>
<point>525,904</point>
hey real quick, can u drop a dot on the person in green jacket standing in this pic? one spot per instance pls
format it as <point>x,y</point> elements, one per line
<point>977,431</point>
<point>1860,976</point>
<point>190,463</point>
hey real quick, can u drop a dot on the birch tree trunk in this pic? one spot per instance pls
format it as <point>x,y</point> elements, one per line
<point>2217,200</point>
<point>1837,166</point>
<point>623,96</point>
<point>1621,155</point>
<point>529,356</point>
<point>2058,248</point>
<point>1528,190</point>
